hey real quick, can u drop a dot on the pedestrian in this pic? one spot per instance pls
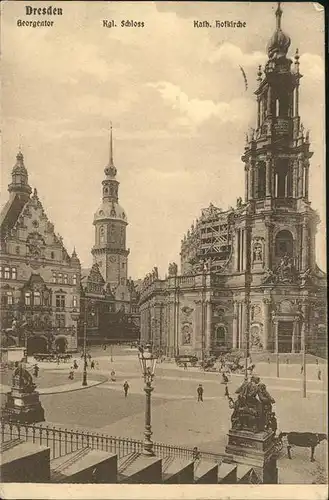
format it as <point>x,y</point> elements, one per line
<point>319,375</point>
<point>57,359</point>
<point>268,360</point>
<point>71,374</point>
<point>185,366</point>
<point>226,394</point>
<point>316,361</point>
<point>113,376</point>
<point>92,365</point>
<point>301,369</point>
<point>195,453</point>
<point>36,370</point>
<point>75,365</point>
<point>104,347</point>
<point>89,356</point>
<point>125,388</point>
<point>200,393</point>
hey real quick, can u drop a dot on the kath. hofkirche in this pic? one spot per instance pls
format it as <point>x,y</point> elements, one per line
<point>249,275</point>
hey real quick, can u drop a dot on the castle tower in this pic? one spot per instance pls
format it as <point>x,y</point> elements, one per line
<point>20,179</point>
<point>276,162</point>
<point>110,221</point>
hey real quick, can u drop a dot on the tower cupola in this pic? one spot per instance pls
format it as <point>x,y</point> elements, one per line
<point>20,178</point>
<point>279,43</point>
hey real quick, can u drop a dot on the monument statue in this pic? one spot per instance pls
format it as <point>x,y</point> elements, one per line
<point>252,410</point>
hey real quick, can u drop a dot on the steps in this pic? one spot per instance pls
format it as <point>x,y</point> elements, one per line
<point>29,462</point>
<point>84,466</point>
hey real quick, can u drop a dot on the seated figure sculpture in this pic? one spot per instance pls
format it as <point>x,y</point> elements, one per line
<point>252,410</point>
<point>22,379</point>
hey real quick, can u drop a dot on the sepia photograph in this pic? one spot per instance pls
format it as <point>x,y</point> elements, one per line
<point>163,309</point>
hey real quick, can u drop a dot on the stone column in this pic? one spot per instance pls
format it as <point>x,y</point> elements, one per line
<point>301,178</point>
<point>246,182</point>
<point>266,310</point>
<point>305,246</point>
<point>268,245</point>
<point>306,167</point>
<point>236,253</point>
<point>235,325</point>
<point>268,177</point>
<point>208,326</point>
<point>276,335</point>
<point>251,181</point>
<point>245,248</point>
<point>293,338</point>
<point>295,179</point>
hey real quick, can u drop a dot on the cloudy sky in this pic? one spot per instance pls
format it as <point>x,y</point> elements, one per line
<point>177,100</point>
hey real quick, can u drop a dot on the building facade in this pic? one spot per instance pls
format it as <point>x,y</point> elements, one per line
<point>109,296</point>
<point>249,277</point>
<point>40,281</point>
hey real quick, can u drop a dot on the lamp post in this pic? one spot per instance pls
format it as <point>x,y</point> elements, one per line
<point>148,363</point>
<point>84,375</point>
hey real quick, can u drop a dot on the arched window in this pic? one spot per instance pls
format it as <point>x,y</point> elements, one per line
<point>36,298</point>
<point>75,302</point>
<point>102,235</point>
<point>74,279</point>
<point>60,278</point>
<point>261,180</point>
<point>65,279</point>
<point>283,184</point>
<point>13,273</point>
<point>27,298</point>
<point>284,244</point>
<point>220,335</point>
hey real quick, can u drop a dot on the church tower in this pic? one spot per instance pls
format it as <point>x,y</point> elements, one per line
<point>277,164</point>
<point>110,221</point>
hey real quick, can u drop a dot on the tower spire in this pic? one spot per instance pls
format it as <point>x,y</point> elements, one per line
<point>111,146</point>
<point>278,15</point>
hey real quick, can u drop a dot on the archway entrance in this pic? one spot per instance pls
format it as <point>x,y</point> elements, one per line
<point>37,344</point>
<point>60,344</point>
<point>285,332</point>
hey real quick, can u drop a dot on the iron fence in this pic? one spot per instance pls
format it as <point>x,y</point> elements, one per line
<point>64,441</point>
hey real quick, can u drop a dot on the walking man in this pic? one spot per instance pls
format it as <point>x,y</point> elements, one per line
<point>36,370</point>
<point>125,388</point>
<point>226,394</point>
<point>200,393</point>
<point>319,375</point>
<point>92,365</point>
<point>301,369</point>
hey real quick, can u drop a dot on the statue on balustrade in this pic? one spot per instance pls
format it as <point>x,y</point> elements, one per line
<point>252,410</point>
<point>285,272</point>
<point>172,269</point>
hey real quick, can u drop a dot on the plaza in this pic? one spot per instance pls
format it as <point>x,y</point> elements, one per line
<point>177,417</point>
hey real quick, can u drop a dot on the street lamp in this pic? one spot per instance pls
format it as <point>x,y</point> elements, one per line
<point>147,361</point>
<point>84,376</point>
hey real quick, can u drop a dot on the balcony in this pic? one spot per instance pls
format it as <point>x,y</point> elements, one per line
<point>285,203</point>
<point>282,126</point>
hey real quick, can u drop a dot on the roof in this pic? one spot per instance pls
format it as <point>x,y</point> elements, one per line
<point>11,211</point>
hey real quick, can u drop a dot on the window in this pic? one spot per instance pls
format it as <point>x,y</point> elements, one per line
<point>36,298</point>
<point>10,298</point>
<point>7,273</point>
<point>60,321</point>
<point>13,273</point>
<point>102,235</point>
<point>1,276</point>
<point>17,250</point>
<point>123,265</point>
<point>52,255</point>
<point>74,280</point>
<point>284,244</point>
<point>27,298</point>
<point>220,335</point>
<point>75,302</point>
<point>60,278</point>
<point>261,180</point>
<point>60,301</point>
<point>65,279</point>
<point>54,277</point>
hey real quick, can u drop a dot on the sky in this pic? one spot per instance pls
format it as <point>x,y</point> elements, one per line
<point>177,100</point>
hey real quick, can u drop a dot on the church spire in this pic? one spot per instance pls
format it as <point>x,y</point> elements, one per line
<point>19,175</point>
<point>278,15</point>
<point>111,146</point>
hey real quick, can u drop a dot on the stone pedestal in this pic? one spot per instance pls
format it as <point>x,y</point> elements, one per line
<point>23,407</point>
<point>255,449</point>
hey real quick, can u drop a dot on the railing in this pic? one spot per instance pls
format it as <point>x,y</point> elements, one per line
<point>64,441</point>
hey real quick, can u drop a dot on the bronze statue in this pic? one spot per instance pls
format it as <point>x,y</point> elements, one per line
<point>23,379</point>
<point>252,410</point>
